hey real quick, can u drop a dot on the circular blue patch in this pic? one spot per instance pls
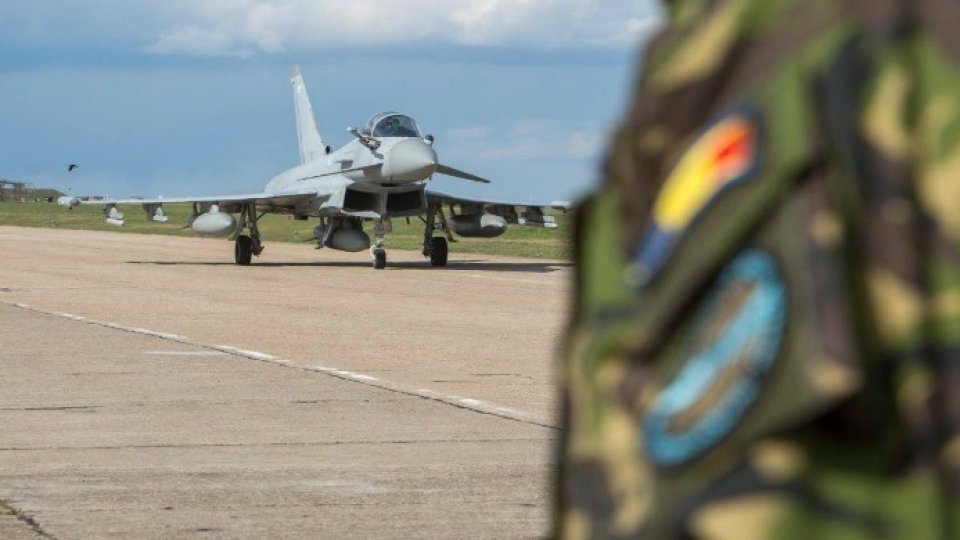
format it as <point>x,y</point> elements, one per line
<point>731,346</point>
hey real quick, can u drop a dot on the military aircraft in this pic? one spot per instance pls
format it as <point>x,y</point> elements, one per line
<point>379,175</point>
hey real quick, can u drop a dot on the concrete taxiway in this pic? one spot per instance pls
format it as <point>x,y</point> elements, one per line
<point>154,389</point>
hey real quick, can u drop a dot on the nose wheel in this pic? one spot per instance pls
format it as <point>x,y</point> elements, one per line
<point>377,252</point>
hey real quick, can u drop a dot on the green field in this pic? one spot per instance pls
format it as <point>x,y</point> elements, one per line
<point>518,241</point>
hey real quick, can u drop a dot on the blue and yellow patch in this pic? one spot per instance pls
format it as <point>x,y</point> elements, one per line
<point>730,348</point>
<point>725,154</point>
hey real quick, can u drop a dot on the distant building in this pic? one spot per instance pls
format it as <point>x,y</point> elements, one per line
<point>44,195</point>
<point>14,190</point>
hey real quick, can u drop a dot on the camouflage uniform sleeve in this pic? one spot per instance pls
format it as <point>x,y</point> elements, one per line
<point>934,55</point>
<point>905,221</point>
<point>834,250</point>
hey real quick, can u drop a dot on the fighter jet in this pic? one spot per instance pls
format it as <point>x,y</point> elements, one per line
<point>381,174</point>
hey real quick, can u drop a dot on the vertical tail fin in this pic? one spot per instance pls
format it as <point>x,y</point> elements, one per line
<point>312,146</point>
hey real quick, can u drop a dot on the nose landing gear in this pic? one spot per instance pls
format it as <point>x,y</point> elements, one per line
<point>378,252</point>
<point>379,258</point>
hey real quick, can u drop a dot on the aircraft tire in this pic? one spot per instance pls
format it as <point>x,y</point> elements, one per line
<point>243,250</point>
<point>379,259</point>
<point>438,251</point>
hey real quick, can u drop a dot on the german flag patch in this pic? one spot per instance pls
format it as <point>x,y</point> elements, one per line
<point>725,154</point>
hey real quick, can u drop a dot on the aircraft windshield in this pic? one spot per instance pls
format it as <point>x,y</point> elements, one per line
<point>395,125</point>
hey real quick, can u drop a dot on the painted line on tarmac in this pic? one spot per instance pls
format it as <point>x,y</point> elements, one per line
<point>114,326</point>
<point>256,355</point>
<point>460,402</point>
<point>185,353</point>
<point>349,374</point>
<point>156,334</point>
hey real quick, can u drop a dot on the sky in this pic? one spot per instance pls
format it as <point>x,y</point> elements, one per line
<point>192,97</point>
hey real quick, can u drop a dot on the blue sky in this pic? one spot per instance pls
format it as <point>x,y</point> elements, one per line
<point>191,97</point>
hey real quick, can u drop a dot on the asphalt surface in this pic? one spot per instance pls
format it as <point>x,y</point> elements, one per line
<point>154,389</point>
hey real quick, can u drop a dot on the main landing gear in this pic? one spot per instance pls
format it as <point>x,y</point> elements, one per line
<point>438,251</point>
<point>436,247</point>
<point>247,245</point>
<point>243,250</point>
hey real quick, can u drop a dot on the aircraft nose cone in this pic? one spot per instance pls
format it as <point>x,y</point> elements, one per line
<point>410,160</point>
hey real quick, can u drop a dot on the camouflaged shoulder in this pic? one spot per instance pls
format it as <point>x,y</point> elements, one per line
<point>768,339</point>
<point>713,54</point>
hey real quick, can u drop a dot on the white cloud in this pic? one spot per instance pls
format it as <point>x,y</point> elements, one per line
<point>526,140</point>
<point>244,27</point>
<point>468,133</point>
<point>247,27</point>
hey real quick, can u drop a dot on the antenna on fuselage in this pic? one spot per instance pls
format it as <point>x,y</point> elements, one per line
<point>312,146</point>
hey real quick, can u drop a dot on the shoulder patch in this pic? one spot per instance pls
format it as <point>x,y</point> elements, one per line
<point>726,153</point>
<point>727,352</point>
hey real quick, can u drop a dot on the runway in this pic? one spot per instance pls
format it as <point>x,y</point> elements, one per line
<point>157,390</point>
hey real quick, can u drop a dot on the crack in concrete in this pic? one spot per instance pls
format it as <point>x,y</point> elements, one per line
<point>100,373</point>
<point>270,444</point>
<point>53,408</point>
<point>320,401</point>
<point>135,404</point>
<point>512,375</point>
<point>27,519</point>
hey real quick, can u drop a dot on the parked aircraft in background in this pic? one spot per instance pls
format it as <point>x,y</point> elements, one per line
<point>381,174</point>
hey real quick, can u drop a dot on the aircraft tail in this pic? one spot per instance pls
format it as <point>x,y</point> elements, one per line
<point>312,146</point>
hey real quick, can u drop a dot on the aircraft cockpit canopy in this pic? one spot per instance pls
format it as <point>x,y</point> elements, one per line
<point>392,125</point>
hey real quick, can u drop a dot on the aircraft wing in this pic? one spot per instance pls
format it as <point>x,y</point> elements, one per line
<point>284,199</point>
<point>520,213</point>
<point>280,198</point>
<point>177,200</point>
